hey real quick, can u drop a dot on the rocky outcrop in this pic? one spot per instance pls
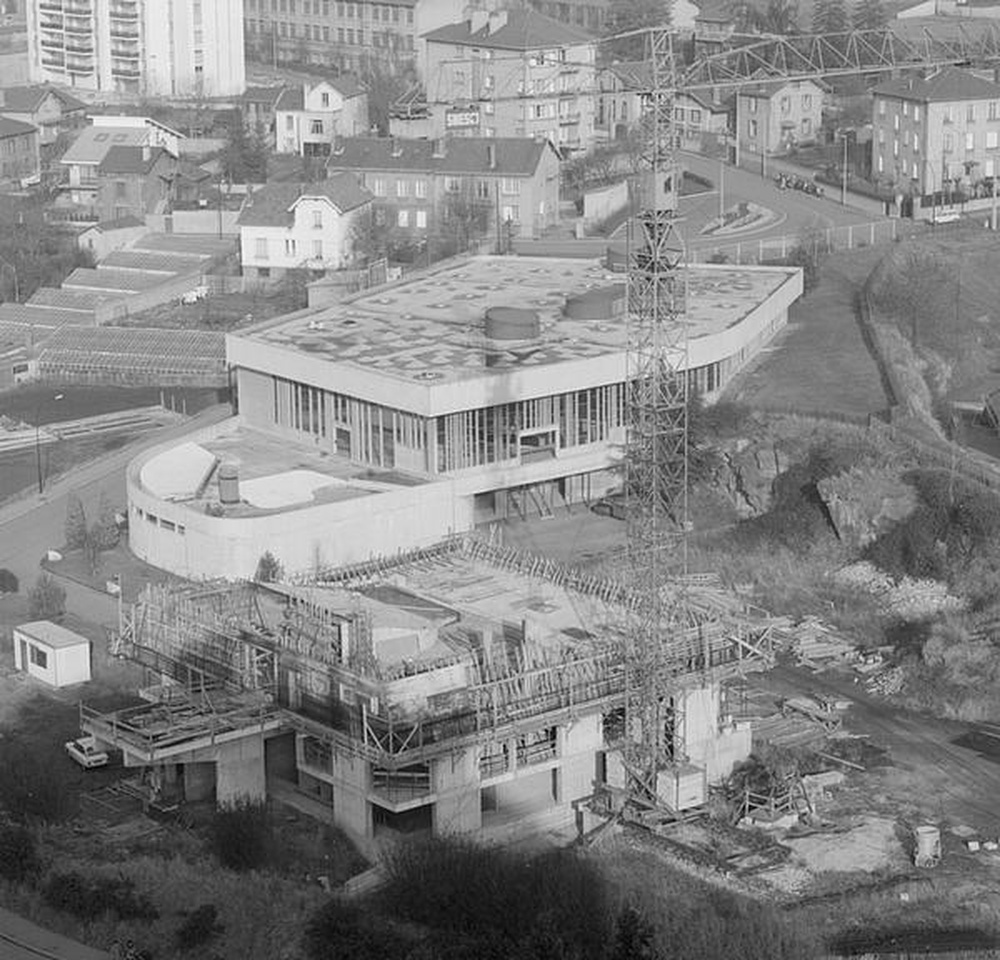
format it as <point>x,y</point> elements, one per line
<point>863,503</point>
<point>747,473</point>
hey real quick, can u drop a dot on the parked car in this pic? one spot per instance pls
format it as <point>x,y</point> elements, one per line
<point>84,752</point>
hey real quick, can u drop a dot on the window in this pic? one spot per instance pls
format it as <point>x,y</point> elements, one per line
<point>378,187</point>
<point>679,113</point>
<point>324,99</point>
<point>895,147</point>
<point>695,117</point>
<point>752,104</point>
<point>991,139</point>
<point>422,219</point>
<point>880,165</point>
<point>403,218</point>
<point>946,114</point>
<point>318,249</point>
<point>510,187</point>
<point>752,128</point>
<point>906,108</point>
<point>895,122</point>
<point>120,188</point>
<point>988,167</point>
<point>949,143</point>
<point>881,108</point>
<point>881,135</point>
<point>290,247</point>
<point>38,657</point>
<point>970,141</point>
<point>915,174</point>
<point>260,248</point>
<point>807,127</point>
<point>511,212</point>
<point>786,105</point>
<point>340,34</point>
<point>452,185</point>
<point>317,219</point>
<point>916,113</point>
<point>316,128</point>
<point>289,122</point>
<point>916,143</point>
<point>807,101</point>
<point>402,188</point>
<point>970,113</point>
<point>420,189</point>
<point>991,113</point>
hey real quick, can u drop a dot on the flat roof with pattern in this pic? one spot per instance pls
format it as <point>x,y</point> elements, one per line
<point>432,327</point>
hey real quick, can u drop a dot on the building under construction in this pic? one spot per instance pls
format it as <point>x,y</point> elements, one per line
<point>447,689</point>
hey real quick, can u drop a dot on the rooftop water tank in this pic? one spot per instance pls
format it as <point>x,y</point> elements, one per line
<point>601,303</point>
<point>512,323</point>
<point>229,483</point>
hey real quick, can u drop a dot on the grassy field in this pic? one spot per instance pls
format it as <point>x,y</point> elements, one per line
<point>223,312</point>
<point>821,363</point>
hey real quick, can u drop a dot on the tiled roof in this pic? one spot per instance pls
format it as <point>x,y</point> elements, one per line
<point>268,95</point>
<point>462,155</point>
<point>293,98</point>
<point>93,143</point>
<point>272,205</point>
<point>769,88</point>
<point>126,160</point>
<point>951,83</point>
<point>523,30</point>
<point>29,99</point>
<point>9,127</point>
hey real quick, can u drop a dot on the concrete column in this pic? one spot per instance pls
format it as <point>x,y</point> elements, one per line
<point>351,809</point>
<point>456,783</point>
<point>578,746</point>
<point>239,770</point>
<point>199,781</point>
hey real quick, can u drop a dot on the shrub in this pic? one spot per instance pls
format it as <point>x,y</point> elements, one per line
<point>240,834</point>
<point>76,523</point>
<point>340,930</point>
<point>46,599</point>
<point>30,789</point>
<point>269,570</point>
<point>198,927</point>
<point>92,897</point>
<point>18,853</point>
<point>105,533</point>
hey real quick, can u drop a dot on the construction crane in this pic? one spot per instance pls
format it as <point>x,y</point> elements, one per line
<point>656,449</point>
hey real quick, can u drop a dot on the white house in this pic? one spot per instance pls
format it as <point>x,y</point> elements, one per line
<point>51,653</point>
<point>308,118</point>
<point>312,226</point>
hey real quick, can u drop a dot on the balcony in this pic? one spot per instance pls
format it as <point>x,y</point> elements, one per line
<point>567,118</point>
<point>79,68</point>
<point>398,788</point>
<point>127,73</point>
<point>56,62</point>
<point>124,33</point>
<point>123,54</point>
<point>79,28</point>
<point>52,44</point>
<point>51,5</point>
<point>124,13</point>
<point>84,49</point>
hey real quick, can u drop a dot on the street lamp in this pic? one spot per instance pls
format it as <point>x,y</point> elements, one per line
<point>38,441</point>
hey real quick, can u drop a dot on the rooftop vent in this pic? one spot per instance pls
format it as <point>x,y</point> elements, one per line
<point>600,303</point>
<point>512,323</point>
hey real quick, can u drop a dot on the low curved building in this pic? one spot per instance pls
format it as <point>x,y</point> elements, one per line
<point>487,388</point>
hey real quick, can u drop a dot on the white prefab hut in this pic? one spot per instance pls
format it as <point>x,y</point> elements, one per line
<point>53,654</point>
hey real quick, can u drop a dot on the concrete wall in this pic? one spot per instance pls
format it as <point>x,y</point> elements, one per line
<point>579,743</point>
<point>239,770</point>
<point>351,809</point>
<point>601,204</point>
<point>456,783</point>
<point>703,739</point>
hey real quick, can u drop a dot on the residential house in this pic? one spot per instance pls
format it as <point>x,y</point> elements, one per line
<point>513,73</point>
<point>48,108</point>
<point>308,118</point>
<point>315,227</point>
<point>714,27</point>
<point>775,117</point>
<point>258,106</point>
<point>92,144</point>
<point>446,192</point>
<point>20,160</point>
<point>935,133</point>
<point>701,122</point>
<point>133,181</point>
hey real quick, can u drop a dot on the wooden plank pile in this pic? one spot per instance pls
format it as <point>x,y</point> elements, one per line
<point>813,644</point>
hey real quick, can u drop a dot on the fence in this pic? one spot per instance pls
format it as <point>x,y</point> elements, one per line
<point>852,237</point>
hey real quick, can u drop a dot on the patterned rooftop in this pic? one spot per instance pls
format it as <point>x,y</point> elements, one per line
<point>432,327</point>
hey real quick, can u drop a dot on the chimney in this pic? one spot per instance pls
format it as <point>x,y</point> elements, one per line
<point>438,149</point>
<point>491,156</point>
<point>396,148</point>
<point>497,20</point>
<point>478,20</point>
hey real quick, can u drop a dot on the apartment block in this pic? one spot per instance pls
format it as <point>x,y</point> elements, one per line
<point>139,47</point>
<point>936,133</point>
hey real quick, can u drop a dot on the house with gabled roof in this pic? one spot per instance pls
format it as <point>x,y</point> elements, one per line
<point>437,189</point>
<point>308,118</point>
<point>931,134</point>
<point>19,153</point>
<point>294,226</point>
<point>46,107</point>
<point>776,116</point>
<point>134,181</point>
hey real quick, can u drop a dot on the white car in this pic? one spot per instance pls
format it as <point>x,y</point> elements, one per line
<point>84,752</point>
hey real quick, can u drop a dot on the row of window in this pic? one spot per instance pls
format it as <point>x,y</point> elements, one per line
<point>11,145</point>
<point>404,187</point>
<point>262,248</point>
<point>949,113</point>
<point>386,13</point>
<point>991,141</point>
<point>784,104</point>
<point>805,128</point>
<point>163,523</point>
<point>988,169</point>
<point>325,35</point>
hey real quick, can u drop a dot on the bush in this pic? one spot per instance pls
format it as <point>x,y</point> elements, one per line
<point>30,789</point>
<point>46,599</point>
<point>91,897</point>
<point>340,930</point>
<point>18,853</point>
<point>76,523</point>
<point>199,927</point>
<point>240,834</point>
<point>269,570</point>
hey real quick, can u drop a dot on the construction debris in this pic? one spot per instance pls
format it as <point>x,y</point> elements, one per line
<point>814,644</point>
<point>887,682</point>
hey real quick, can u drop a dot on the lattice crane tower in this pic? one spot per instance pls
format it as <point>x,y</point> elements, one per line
<point>656,450</point>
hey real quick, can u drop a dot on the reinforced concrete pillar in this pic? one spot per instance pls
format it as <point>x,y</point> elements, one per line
<point>456,783</point>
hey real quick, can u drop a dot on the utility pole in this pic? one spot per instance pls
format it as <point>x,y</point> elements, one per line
<point>38,442</point>
<point>843,172</point>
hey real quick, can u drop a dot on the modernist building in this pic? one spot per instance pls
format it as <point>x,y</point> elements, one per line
<point>140,47</point>
<point>490,387</point>
<point>936,133</point>
<point>289,226</point>
<point>447,192</point>
<point>513,73</point>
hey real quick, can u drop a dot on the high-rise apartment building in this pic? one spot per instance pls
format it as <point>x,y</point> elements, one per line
<point>145,47</point>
